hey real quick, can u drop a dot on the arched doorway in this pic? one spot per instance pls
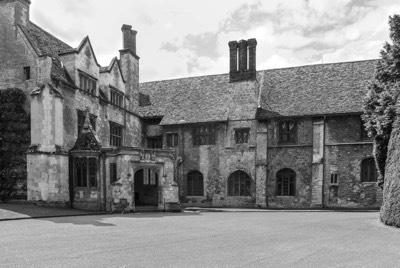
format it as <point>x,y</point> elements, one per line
<point>146,187</point>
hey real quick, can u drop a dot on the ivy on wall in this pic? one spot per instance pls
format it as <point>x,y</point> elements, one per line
<point>14,141</point>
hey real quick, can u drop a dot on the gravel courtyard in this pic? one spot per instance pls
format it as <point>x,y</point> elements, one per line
<point>241,238</point>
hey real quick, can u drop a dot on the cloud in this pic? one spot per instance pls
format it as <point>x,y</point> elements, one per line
<point>202,45</point>
<point>169,47</point>
<point>244,18</point>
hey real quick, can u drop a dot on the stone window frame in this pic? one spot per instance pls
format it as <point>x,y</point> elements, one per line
<point>87,83</point>
<point>171,139</point>
<point>242,135</point>
<point>116,97</point>
<point>239,184</point>
<point>204,134</point>
<point>116,134</point>
<point>334,178</point>
<point>368,171</point>
<point>85,174</point>
<point>195,183</point>
<point>283,177</point>
<point>292,133</point>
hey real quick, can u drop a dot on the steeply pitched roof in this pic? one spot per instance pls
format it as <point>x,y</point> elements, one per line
<point>43,42</point>
<point>323,89</point>
<point>46,44</point>
<point>110,67</point>
<point>199,99</point>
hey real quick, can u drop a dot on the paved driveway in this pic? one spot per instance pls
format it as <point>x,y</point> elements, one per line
<point>206,239</point>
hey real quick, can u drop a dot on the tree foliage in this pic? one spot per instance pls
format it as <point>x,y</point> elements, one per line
<point>380,103</point>
<point>14,140</point>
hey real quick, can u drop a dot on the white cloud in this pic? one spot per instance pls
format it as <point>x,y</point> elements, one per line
<point>288,32</point>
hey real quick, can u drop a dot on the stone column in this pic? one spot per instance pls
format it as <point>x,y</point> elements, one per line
<point>318,163</point>
<point>261,164</point>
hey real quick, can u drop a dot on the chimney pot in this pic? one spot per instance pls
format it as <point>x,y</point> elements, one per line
<point>252,53</point>
<point>233,52</point>
<point>242,55</point>
<point>129,38</point>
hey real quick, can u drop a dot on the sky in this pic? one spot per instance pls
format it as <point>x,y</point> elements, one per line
<point>182,38</point>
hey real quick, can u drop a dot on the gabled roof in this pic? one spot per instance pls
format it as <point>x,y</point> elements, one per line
<point>109,68</point>
<point>86,140</point>
<point>323,89</point>
<point>45,44</point>
<point>79,48</point>
<point>199,99</point>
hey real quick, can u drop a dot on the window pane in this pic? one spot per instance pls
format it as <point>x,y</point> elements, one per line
<point>92,172</point>
<point>81,168</point>
<point>286,182</point>
<point>239,184</point>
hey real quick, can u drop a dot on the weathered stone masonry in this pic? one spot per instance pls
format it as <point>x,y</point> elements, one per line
<point>100,140</point>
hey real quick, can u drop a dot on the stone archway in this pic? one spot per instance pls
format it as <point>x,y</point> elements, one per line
<point>146,187</point>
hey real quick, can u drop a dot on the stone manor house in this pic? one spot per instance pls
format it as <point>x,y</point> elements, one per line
<point>100,140</point>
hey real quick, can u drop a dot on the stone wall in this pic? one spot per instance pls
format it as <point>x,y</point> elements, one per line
<point>216,163</point>
<point>297,157</point>
<point>128,162</point>
<point>344,151</point>
<point>48,178</point>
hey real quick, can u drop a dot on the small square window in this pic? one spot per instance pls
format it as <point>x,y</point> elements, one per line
<point>204,135</point>
<point>287,132</point>
<point>242,135</point>
<point>172,139</point>
<point>27,72</point>
<point>334,178</point>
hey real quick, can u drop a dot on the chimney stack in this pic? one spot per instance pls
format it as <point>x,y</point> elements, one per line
<point>15,12</point>
<point>252,43</point>
<point>129,38</point>
<point>233,51</point>
<point>242,60</point>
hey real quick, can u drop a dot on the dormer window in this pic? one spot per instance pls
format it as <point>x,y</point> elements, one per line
<point>87,83</point>
<point>116,97</point>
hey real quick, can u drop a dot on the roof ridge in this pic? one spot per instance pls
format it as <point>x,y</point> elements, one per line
<point>261,71</point>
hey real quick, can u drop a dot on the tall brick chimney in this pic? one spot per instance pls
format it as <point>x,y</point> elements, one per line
<point>252,43</point>
<point>14,12</point>
<point>129,63</point>
<point>233,51</point>
<point>242,60</point>
<point>129,38</point>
